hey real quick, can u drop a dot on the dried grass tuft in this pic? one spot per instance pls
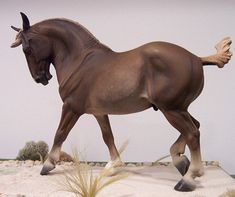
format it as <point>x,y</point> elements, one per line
<point>83,182</point>
<point>229,193</point>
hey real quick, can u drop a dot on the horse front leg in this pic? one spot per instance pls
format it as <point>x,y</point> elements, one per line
<point>67,121</point>
<point>108,138</point>
<point>188,128</point>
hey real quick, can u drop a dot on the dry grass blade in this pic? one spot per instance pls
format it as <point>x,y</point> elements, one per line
<point>83,182</point>
<point>229,193</point>
<point>161,158</point>
<point>112,180</point>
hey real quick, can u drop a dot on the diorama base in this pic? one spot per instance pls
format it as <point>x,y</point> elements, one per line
<point>144,181</point>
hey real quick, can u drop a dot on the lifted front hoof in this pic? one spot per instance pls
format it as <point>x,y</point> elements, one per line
<point>183,165</point>
<point>46,169</point>
<point>184,186</point>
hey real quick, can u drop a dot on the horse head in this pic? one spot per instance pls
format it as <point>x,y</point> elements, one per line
<point>37,49</point>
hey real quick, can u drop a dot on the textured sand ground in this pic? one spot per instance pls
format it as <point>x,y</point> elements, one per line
<point>23,179</point>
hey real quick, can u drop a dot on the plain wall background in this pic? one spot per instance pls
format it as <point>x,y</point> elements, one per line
<point>30,111</point>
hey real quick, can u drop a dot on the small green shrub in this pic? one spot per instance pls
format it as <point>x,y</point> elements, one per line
<point>33,151</point>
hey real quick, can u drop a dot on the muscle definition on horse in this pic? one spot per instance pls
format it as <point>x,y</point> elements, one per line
<point>95,80</point>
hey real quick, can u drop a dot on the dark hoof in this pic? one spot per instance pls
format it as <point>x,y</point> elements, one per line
<point>184,186</point>
<point>183,165</point>
<point>46,169</point>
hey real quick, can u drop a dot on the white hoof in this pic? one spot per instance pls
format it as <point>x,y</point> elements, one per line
<point>113,167</point>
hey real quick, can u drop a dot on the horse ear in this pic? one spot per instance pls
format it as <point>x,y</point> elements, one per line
<point>26,24</point>
<point>15,28</point>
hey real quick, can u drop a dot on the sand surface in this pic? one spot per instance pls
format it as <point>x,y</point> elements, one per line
<point>18,180</point>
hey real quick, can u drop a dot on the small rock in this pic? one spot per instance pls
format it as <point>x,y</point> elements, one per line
<point>21,163</point>
<point>65,157</point>
<point>37,162</point>
<point>91,164</point>
<point>103,164</point>
<point>131,165</point>
<point>209,163</point>
<point>20,195</point>
<point>164,163</point>
<point>29,163</point>
<point>60,163</point>
<point>68,163</point>
<point>204,163</point>
<point>17,161</point>
<point>147,163</point>
<point>97,164</point>
<point>8,163</point>
<point>138,164</point>
<point>215,163</point>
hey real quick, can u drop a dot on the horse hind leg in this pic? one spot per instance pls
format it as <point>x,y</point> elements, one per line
<point>180,161</point>
<point>183,122</point>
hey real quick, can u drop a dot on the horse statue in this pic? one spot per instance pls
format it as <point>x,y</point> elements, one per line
<point>93,79</point>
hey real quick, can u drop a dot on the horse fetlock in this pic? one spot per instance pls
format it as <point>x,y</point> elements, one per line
<point>113,167</point>
<point>114,163</point>
<point>196,171</point>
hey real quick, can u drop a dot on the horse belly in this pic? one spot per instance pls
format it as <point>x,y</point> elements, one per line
<point>120,90</point>
<point>125,106</point>
<point>128,97</point>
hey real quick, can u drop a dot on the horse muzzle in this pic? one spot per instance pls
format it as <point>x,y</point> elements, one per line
<point>43,79</point>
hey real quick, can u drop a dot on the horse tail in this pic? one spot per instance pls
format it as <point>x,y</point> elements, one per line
<point>222,56</point>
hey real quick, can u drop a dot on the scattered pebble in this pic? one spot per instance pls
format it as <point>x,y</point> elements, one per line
<point>68,163</point>
<point>37,162</point>
<point>91,164</point>
<point>29,163</point>
<point>20,195</point>
<point>131,165</point>
<point>139,164</point>
<point>103,164</point>
<point>97,164</point>
<point>215,163</point>
<point>147,163</point>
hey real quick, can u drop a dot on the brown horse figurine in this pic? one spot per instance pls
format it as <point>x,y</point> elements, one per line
<point>93,79</point>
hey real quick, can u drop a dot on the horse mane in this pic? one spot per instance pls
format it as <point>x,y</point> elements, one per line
<point>68,26</point>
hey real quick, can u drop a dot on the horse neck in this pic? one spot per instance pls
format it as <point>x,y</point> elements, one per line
<point>70,43</point>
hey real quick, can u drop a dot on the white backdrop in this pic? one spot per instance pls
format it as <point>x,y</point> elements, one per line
<point>30,111</point>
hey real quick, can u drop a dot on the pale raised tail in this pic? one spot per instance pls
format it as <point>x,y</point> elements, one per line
<point>222,56</point>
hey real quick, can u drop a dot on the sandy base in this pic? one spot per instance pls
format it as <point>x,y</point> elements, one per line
<point>154,181</point>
